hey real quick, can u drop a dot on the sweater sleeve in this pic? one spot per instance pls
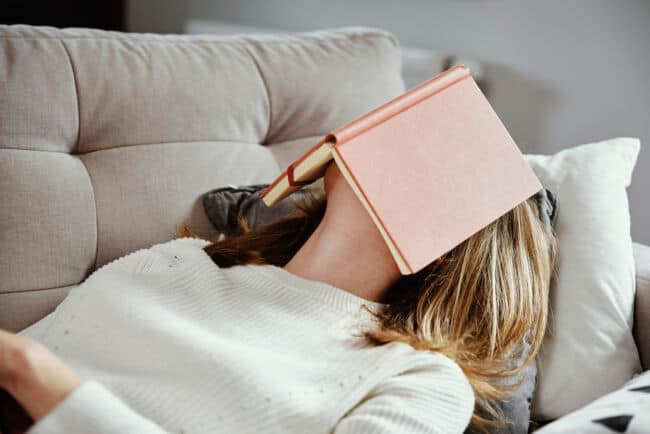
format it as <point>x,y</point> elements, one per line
<point>434,399</point>
<point>91,408</point>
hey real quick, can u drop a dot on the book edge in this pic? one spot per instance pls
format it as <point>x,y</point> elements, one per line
<point>400,104</point>
<point>283,179</point>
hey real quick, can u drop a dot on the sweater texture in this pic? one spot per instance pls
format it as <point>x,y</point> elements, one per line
<point>168,342</point>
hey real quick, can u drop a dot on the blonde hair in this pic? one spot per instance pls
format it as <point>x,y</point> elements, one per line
<point>484,304</point>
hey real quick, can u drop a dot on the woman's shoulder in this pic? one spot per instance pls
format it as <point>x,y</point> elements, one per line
<point>157,256</point>
<point>429,391</point>
<point>442,363</point>
<point>436,372</point>
<point>180,245</point>
<point>417,358</point>
<point>432,364</point>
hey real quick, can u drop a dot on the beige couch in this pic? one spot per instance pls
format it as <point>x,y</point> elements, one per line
<point>108,140</point>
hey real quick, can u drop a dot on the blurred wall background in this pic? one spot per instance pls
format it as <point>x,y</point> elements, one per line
<point>560,73</point>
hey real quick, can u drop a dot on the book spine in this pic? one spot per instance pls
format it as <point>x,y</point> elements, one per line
<point>288,172</point>
<point>398,104</point>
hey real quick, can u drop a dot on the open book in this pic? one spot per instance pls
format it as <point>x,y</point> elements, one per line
<point>432,167</point>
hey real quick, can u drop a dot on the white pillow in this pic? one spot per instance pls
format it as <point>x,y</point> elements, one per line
<point>626,410</point>
<point>589,349</point>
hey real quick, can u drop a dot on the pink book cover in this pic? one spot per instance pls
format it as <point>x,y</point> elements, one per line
<point>434,165</point>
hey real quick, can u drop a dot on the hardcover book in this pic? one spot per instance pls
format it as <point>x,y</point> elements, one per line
<point>432,167</point>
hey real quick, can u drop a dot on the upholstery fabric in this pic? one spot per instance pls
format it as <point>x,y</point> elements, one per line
<point>164,202</point>
<point>47,220</point>
<point>642,302</point>
<point>19,309</point>
<point>36,113</point>
<point>108,139</point>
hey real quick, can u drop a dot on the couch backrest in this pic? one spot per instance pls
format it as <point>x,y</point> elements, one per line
<point>108,140</point>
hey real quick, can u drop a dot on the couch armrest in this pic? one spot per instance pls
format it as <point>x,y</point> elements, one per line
<point>642,302</point>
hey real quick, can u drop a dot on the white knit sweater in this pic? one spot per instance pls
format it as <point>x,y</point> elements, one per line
<point>168,342</point>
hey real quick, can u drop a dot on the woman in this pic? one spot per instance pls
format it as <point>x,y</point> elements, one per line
<point>305,325</point>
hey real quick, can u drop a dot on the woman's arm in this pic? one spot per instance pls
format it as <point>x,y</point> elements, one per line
<point>35,377</point>
<point>91,408</point>
<point>435,399</point>
<point>56,398</point>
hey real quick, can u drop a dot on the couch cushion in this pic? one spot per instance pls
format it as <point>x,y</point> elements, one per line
<point>108,139</point>
<point>588,349</point>
<point>140,91</point>
<point>47,220</point>
<point>36,113</point>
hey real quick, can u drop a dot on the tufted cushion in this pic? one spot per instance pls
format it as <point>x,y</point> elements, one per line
<point>108,139</point>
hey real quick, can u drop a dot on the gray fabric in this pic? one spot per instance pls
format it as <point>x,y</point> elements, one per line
<point>642,302</point>
<point>548,206</point>
<point>224,205</point>
<point>517,407</point>
<point>108,139</point>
